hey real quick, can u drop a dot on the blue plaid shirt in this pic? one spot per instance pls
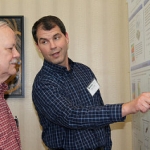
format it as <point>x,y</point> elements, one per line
<point>71,117</point>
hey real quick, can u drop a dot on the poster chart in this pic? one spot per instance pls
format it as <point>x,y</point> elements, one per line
<point>139,46</point>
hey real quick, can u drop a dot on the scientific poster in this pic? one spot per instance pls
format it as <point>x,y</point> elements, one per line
<point>139,45</point>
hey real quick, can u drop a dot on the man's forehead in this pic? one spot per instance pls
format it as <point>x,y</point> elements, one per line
<point>54,31</point>
<point>6,28</point>
<point>7,35</point>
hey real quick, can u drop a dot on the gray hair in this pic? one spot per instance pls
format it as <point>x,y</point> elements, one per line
<point>3,23</point>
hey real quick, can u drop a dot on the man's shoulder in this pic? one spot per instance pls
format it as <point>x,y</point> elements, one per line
<point>82,66</point>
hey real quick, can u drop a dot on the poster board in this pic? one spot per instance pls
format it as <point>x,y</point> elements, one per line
<point>139,46</point>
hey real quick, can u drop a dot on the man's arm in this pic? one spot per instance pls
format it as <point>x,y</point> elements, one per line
<point>141,103</point>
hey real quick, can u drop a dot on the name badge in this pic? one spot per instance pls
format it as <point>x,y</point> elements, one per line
<point>93,87</point>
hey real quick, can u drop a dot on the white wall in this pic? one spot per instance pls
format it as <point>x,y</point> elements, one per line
<point>98,31</point>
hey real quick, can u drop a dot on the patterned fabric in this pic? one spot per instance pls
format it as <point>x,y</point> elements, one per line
<point>71,117</point>
<point>9,133</point>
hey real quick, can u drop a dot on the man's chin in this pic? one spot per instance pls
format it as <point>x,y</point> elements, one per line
<point>13,72</point>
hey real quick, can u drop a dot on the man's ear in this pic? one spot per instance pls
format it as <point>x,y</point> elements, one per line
<point>38,47</point>
<point>67,37</point>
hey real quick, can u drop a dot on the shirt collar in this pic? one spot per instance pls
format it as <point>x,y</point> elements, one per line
<point>3,87</point>
<point>57,68</point>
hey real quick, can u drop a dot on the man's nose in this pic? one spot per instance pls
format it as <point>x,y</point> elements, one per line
<point>52,44</point>
<point>16,53</point>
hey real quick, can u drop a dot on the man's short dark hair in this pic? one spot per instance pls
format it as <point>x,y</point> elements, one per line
<point>47,23</point>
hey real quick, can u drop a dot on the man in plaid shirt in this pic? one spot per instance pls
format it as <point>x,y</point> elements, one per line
<point>67,96</point>
<point>9,132</point>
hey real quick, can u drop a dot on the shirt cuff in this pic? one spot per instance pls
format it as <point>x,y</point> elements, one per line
<point>116,112</point>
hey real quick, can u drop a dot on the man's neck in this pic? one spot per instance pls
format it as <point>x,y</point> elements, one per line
<point>3,79</point>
